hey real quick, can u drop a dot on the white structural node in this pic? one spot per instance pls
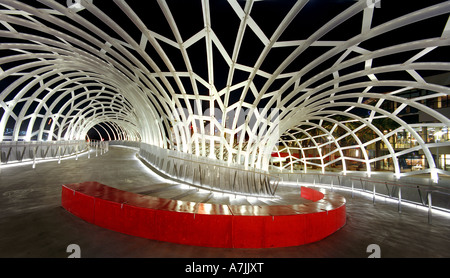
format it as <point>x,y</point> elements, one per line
<point>266,85</point>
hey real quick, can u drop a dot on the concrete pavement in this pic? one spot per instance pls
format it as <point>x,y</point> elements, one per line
<point>33,224</point>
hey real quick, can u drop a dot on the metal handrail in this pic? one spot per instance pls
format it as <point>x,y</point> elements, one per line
<point>229,167</point>
<point>403,184</point>
<point>235,181</point>
<point>31,151</point>
<point>407,184</point>
<point>425,201</point>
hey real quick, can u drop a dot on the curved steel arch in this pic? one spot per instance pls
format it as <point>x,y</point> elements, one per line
<point>117,70</point>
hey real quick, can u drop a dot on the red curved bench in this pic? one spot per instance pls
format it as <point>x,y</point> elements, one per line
<point>202,224</point>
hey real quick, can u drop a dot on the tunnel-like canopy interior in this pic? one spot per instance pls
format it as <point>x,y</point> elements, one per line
<point>276,85</point>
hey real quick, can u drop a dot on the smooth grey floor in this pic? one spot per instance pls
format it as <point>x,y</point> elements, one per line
<point>33,224</point>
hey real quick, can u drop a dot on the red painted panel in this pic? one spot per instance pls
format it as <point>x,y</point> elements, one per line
<point>131,223</point>
<point>211,231</point>
<point>311,194</point>
<point>174,226</point>
<point>331,222</point>
<point>83,206</point>
<point>249,231</point>
<point>341,217</point>
<point>67,197</point>
<point>206,224</point>
<point>287,230</point>
<point>316,226</point>
<point>109,215</point>
<point>282,154</point>
<point>138,221</point>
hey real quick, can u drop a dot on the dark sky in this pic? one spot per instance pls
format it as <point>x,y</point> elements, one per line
<point>267,14</point>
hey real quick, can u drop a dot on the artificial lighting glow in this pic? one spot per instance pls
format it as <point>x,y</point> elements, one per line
<point>149,171</point>
<point>122,111</point>
<point>30,161</point>
<point>252,199</point>
<point>187,185</point>
<point>438,133</point>
<point>436,210</point>
<point>434,175</point>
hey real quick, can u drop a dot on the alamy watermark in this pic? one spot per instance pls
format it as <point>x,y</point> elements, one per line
<point>74,250</point>
<point>374,250</point>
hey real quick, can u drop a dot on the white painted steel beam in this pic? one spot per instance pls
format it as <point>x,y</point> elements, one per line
<point>69,69</point>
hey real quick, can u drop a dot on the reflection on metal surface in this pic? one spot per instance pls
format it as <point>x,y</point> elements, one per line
<point>210,174</point>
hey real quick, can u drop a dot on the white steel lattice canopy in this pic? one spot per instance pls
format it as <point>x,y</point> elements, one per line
<point>317,84</point>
